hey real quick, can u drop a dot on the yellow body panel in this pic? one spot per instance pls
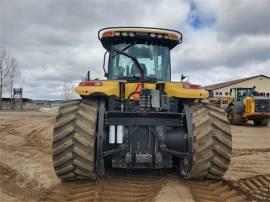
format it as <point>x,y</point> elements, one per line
<point>151,86</point>
<point>249,105</point>
<point>177,90</point>
<point>111,88</point>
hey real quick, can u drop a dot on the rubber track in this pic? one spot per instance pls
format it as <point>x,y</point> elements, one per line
<point>74,140</point>
<point>212,143</point>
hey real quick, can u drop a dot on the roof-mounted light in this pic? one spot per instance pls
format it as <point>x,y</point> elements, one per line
<point>131,34</point>
<point>159,36</point>
<point>153,35</point>
<point>116,33</point>
<point>124,34</point>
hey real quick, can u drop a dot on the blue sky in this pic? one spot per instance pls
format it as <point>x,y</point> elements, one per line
<point>196,20</point>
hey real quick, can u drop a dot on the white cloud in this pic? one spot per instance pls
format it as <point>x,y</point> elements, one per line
<point>207,52</point>
<point>57,40</point>
<point>234,18</point>
<point>222,73</point>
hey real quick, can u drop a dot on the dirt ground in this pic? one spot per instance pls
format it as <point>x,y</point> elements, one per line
<point>26,172</point>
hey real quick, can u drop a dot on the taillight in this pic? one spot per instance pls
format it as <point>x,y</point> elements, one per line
<point>173,37</point>
<point>192,86</point>
<point>90,83</point>
<point>107,34</point>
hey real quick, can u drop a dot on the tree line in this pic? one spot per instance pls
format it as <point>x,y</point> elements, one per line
<point>9,73</point>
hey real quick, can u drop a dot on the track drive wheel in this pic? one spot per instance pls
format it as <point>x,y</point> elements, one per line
<point>212,143</point>
<point>74,140</point>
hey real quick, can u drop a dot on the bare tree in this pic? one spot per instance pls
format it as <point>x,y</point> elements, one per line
<point>13,73</point>
<point>8,73</point>
<point>68,90</point>
<point>4,72</point>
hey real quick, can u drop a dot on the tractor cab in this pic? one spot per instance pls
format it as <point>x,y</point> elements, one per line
<point>238,94</point>
<point>137,53</point>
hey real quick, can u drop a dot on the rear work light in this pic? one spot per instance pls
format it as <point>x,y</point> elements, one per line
<point>159,36</point>
<point>192,86</point>
<point>124,34</point>
<point>116,33</point>
<point>153,35</point>
<point>90,83</point>
<point>131,34</point>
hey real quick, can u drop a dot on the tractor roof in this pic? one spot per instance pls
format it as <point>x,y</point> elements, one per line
<point>141,35</point>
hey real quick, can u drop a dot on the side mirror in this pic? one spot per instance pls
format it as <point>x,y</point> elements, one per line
<point>106,74</point>
<point>183,77</point>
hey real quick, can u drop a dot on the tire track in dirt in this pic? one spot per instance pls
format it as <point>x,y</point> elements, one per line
<point>114,186</point>
<point>215,190</point>
<point>21,135</point>
<point>244,152</point>
<point>122,185</point>
<point>257,187</point>
<point>20,185</point>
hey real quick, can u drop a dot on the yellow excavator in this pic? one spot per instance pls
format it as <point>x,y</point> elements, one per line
<point>137,118</point>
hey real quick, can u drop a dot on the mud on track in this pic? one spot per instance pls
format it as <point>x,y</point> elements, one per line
<point>26,172</point>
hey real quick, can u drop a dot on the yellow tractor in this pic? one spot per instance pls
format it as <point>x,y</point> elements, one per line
<point>138,118</point>
<point>244,104</point>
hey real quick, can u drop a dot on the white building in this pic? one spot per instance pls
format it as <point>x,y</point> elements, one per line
<point>261,82</point>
